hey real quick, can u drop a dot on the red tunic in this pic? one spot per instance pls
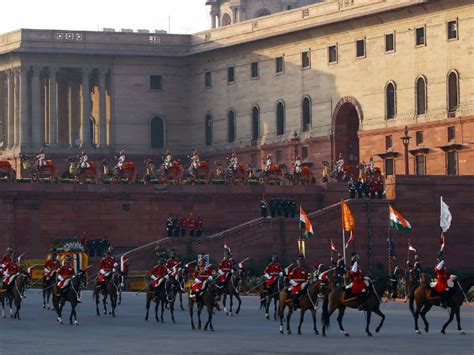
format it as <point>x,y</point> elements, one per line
<point>159,271</point>
<point>225,266</point>
<point>199,225</point>
<point>273,269</point>
<point>171,263</point>
<point>183,223</point>
<point>6,259</point>
<point>107,264</point>
<point>201,273</point>
<point>191,224</point>
<point>51,265</point>
<point>358,283</point>
<point>442,277</point>
<point>65,272</point>
<point>299,275</point>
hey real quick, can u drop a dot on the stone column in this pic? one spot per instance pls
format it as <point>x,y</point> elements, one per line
<point>36,117</point>
<point>10,108</point>
<point>213,18</point>
<point>103,111</point>
<point>53,106</point>
<point>16,107</point>
<point>2,108</point>
<point>22,135</point>
<point>86,107</point>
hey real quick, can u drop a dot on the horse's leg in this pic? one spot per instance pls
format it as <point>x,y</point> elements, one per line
<point>451,316</point>
<point>76,323</point>
<point>379,313</point>
<point>303,311</point>
<point>458,319</point>
<point>315,327</point>
<point>339,320</point>
<point>425,310</point>
<point>97,301</point>
<point>73,307</point>
<point>200,307</point>
<point>209,319</point>
<point>237,296</point>
<point>281,312</point>
<point>231,298</point>
<point>162,310</point>
<point>288,318</point>
<point>275,301</point>
<point>367,323</point>
<point>44,297</point>
<point>191,314</point>
<point>157,304</point>
<point>172,311</point>
<point>17,306</point>
<point>104,302</point>
<point>181,301</point>
<point>147,305</point>
<point>416,314</point>
<point>224,298</point>
<point>113,302</point>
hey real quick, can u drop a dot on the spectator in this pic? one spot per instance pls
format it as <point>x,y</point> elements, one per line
<point>199,227</point>
<point>359,188</point>
<point>263,207</point>
<point>191,225</point>
<point>169,225</point>
<point>293,208</point>
<point>351,185</point>
<point>279,208</point>
<point>183,224</point>
<point>272,206</point>
<point>176,226</point>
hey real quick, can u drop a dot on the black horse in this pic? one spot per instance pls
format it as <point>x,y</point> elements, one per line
<point>70,294</point>
<point>272,293</point>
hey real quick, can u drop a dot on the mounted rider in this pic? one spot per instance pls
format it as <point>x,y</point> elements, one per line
<point>107,266</point>
<point>340,164</point>
<point>272,272</point>
<point>64,277</point>
<point>173,264</point>
<point>9,269</point>
<point>225,267</point>
<point>167,160</point>
<point>298,277</point>
<point>267,164</point>
<point>340,269</point>
<point>158,274</point>
<point>120,160</point>
<point>40,158</point>
<point>195,161</point>
<point>51,266</point>
<point>413,275</point>
<point>358,285</point>
<point>84,160</point>
<point>202,274</point>
<point>233,162</point>
<point>444,282</point>
<point>298,165</point>
<point>5,260</point>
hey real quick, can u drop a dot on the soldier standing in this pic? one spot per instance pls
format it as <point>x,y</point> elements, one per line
<point>169,225</point>
<point>263,207</point>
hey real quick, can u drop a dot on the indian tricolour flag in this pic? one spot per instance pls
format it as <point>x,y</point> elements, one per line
<point>398,222</point>
<point>305,223</point>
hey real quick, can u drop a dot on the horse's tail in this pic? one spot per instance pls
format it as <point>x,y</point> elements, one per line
<point>325,314</point>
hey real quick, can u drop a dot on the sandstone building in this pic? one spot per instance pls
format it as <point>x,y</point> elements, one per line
<point>332,77</point>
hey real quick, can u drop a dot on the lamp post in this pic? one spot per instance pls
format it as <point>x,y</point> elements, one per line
<point>295,140</point>
<point>406,141</point>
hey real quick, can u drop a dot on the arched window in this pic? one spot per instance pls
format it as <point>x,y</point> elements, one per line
<point>208,129</point>
<point>390,100</point>
<point>280,118</point>
<point>157,133</point>
<point>453,91</point>
<point>255,123</point>
<point>306,112</point>
<point>226,20</point>
<point>231,126</point>
<point>421,96</point>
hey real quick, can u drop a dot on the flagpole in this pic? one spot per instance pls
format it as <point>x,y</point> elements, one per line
<point>389,248</point>
<point>408,252</point>
<point>343,236</point>
<point>442,252</point>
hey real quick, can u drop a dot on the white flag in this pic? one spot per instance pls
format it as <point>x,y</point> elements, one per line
<point>445,216</point>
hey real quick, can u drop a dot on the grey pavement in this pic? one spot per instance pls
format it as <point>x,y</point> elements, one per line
<point>247,333</point>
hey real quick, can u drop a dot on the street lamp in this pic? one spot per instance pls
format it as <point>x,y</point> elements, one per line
<point>406,141</point>
<point>295,140</point>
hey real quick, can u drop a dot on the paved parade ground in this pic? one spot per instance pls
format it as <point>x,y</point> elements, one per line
<point>248,333</point>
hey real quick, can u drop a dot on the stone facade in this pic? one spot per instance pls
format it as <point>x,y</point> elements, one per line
<point>365,69</point>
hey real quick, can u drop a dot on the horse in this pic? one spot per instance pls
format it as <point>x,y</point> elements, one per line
<point>70,294</point>
<point>335,299</point>
<point>231,288</point>
<point>47,286</point>
<point>14,294</point>
<point>164,294</point>
<point>272,293</point>
<point>307,300</point>
<point>394,282</point>
<point>425,299</point>
<point>209,298</point>
<point>181,280</point>
<point>111,289</point>
<point>46,171</point>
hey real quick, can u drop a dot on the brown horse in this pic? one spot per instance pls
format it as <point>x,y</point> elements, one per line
<point>272,293</point>
<point>308,300</point>
<point>111,289</point>
<point>209,299</point>
<point>47,286</point>
<point>231,288</point>
<point>70,294</point>
<point>14,294</point>
<point>165,295</point>
<point>336,299</point>
<point>425,298</point>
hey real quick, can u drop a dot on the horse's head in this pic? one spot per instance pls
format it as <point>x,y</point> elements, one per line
<point>82,277</point>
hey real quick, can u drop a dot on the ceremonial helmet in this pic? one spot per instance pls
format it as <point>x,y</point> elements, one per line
<point>172,253</point>
<point>274,257</point>
<point>110,250</point>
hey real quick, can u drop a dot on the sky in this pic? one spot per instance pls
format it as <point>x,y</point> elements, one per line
<point>186,16</point>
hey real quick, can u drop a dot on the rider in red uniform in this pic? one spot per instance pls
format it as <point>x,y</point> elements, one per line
<point>224,268</point>
<point>172,262</point>
<point>298,277</point>
<point>441,287</point>
<point>51,266</point>
<point>10,269</point>
<point>65,274</point>
<point>5,260</point>
<point>202,274</point>
<point>107,265</point>
<point>158,274</point>
<point>272,271</point>
<point>358,288</point>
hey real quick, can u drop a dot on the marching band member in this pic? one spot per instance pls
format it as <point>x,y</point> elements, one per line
<point>233,162</point>
<point>298,165</point>
<point>51,266</point>
<point>120,160</point>
<point>40,158</point>
<point>267,164</point>
<point>167,160</point>
<point>83,160</point>
<point>340,164</point>
<point>272,271</point>
<point>195,160</point>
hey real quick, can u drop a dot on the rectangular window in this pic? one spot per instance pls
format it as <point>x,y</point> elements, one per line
<point>304,152</point>
<point>419,138</point>
<point>390,42</point>
<point>279,155</point>
<point>208,79</point>
<point>332,54</point>
<point>388,142</point>
<point>420,33</point>
<point>420,165</point>
<point>388,166</point>
<point>451,134</point>
<point>230,74</point>
<point>254,70</point>
<point>305,59</point>
<point>279,65</point>
<point>360,48</point>
<point>453,29</point>
<point>452,162</point>
<point>156,82</point>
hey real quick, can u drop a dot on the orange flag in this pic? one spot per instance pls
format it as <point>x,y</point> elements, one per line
<point>348,221</point>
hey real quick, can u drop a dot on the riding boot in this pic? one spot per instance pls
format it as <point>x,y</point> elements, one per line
<point>217,306</point>
<point>360,301</point>
<point>295,301</point>
<point>444,300</point>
